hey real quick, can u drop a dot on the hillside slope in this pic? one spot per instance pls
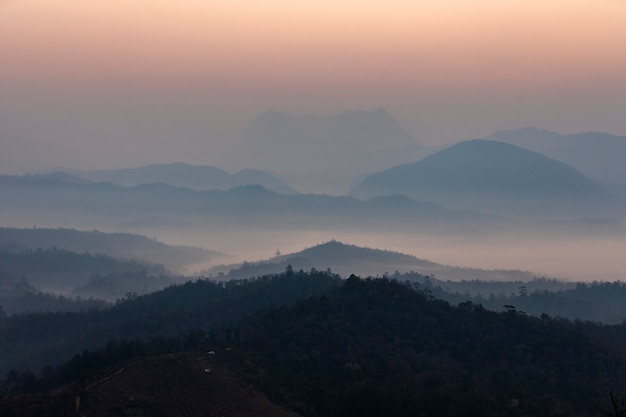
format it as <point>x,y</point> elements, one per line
<point>346,259</point>
<point>492,177</point>
<point>126,246</point>
<point>164,386</point>
<point>375,347</point>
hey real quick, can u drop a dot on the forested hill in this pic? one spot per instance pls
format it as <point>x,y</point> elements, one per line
<point>32,341</point>
<point>379,347</point>
<point>118,245</point>
<point>346,259</point>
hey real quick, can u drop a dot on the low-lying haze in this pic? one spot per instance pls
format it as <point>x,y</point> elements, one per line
<point>580,259</point>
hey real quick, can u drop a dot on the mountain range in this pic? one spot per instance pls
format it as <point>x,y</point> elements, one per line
<point>162,205</point>
<point>197,177</point>
<point>492,177</point>
<point>324,153</point>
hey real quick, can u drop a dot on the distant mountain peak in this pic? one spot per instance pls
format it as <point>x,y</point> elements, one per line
<point>375,129</point>
<point>490,176</point>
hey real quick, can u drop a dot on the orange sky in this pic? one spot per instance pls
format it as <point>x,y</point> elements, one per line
<point>448,69</point>
<point>446,44</point>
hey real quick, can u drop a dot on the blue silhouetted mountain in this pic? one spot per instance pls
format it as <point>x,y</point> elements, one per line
<point>600,156</point>
<point>493,177</point>
<point>324,153</point>
<point>60,176</point>
<point>106,205</point>
<point>199,177</point>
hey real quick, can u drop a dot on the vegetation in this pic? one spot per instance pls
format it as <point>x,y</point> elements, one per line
<point>358,348</point>
<point>125,246</point>
<point>56,270</point>
<point>31,341</point>
<point>376,347</point>
<point>596,301</point>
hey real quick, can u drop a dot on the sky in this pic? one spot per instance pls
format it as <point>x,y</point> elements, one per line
<point>119,83</point>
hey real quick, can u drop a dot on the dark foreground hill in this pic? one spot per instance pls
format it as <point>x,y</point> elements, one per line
<point>190,385</point>
<point>31,341</point>
<point>367,348</point>
<point>376,347</point>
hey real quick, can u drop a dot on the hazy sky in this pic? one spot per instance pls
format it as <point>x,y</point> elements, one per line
<point>128,82</point>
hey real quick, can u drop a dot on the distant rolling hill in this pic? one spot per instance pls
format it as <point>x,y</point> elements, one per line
<point>346,259</point>
<point>156,205</point>
<point>126,246</point>
<point>600,156</point>
<point>198,177</point>
<point>492,177</point>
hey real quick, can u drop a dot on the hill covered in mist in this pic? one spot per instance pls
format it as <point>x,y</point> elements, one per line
<point>68,270</point>
<point>197,177</point>
<point>126,246</point>
<point>324,153</point>
<point>346,259</point>
<point>108,206</point>
<point>494,177</point>
<point>600,156</point>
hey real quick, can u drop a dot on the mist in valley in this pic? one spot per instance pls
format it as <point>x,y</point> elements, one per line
<point>420,206</point>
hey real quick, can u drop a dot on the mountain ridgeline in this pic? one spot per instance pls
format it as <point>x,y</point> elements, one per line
<point>127,246</point>
<point>153,206</point>
<point>346,260</point>
<point>495,177</point>
<point>324,153</point>
<point>197,177</point>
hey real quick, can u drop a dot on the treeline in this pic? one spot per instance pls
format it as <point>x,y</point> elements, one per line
<point>31,341</point>
<point>378,347</point>
<point>595,301</point>
<point>63,270</point>
<point>18,295</point>
<point>88,365</point>
<point>375,347</point>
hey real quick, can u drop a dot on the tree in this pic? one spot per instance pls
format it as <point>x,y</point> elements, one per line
<point>618,407</point>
